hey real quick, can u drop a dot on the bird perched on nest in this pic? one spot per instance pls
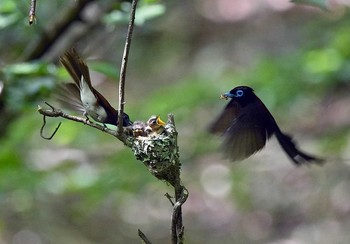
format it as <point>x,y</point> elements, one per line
<point>154,126</point>
<point>82,96</point>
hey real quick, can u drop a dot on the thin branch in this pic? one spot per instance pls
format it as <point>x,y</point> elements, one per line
<point>159,154</point>
<point>42,130</point>
<point>181,193</point>
<point>52,34</point>
<point>53,112</point>
<point>167,195</point>
<point>177,228</point>
<point>143,237</point>
<point>32,9</point>
<point>124,65</point>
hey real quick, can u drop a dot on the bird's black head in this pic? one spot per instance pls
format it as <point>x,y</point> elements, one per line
<point>241,94</point>
<point>126,119</point>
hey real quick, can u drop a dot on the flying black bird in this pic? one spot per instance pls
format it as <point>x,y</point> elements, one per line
<point>82,96</point>
<point>247,124</point>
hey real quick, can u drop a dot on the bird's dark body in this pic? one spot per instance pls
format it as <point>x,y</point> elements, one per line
<point>247,124</point>
<point>81,95</point>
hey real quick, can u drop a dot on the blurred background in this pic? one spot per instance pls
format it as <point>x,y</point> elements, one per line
<point>84,186</point>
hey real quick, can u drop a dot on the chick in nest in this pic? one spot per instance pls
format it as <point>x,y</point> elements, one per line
<point>154,126</point>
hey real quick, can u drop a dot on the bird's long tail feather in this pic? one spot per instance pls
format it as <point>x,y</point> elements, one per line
<point>290,147</point>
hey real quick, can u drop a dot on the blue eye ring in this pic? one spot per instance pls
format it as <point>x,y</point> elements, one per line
<point>239,93</point>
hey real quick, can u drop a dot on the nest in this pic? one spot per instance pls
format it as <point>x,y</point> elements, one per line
<point>159,153</point>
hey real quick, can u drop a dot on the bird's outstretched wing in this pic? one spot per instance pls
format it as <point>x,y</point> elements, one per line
<point>225,119</point>
<point>68,95</point>
<point>72,62</point>
<point>244,137</point>
<point>244,130</point>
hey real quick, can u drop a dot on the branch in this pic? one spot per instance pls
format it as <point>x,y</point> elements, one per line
<point>181,195</point>
<point>50,36</point>
<point>124,65</point>
<point>159,153</point>
<point>161,157</point>
<point>54,112</point>
<point>143,237</point>
<point>42,130</point>
<point>31,15</point>
<point>177,228</point>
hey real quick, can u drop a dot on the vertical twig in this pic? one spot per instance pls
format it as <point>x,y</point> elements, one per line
<point>32,10</point>
<point>177,228</point>
<point>124,65</point>
<point>181,195</point>
<point>143,237</point>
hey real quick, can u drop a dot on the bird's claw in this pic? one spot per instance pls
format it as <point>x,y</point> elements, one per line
<point>86,118</point>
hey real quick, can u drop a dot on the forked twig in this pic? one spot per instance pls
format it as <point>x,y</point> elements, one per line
<point>44,124</point>
<point>53,112</point>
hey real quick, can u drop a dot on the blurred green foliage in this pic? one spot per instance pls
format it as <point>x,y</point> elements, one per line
<point>322,4</point>
<point>146,10</point>
<point>28,82</point>
<point>86,181</point>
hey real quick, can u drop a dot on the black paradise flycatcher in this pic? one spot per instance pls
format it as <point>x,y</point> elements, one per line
<point>246,124</point>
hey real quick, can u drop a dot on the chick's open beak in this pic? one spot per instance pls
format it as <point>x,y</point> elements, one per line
<point>160,122</point>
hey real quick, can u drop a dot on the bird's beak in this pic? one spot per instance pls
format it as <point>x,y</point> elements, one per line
<point>160,122</point>
<point>227,95</point>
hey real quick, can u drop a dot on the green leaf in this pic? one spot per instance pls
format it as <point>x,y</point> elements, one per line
<point>35,68</point>
<point>7,20</point>
<point>143,13</point>
<point>115,17</point>
<point>8,7</point>
<point>149,12</point>
<point>322,4</point>
<point>106,68</point>
<point>323,61</point>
